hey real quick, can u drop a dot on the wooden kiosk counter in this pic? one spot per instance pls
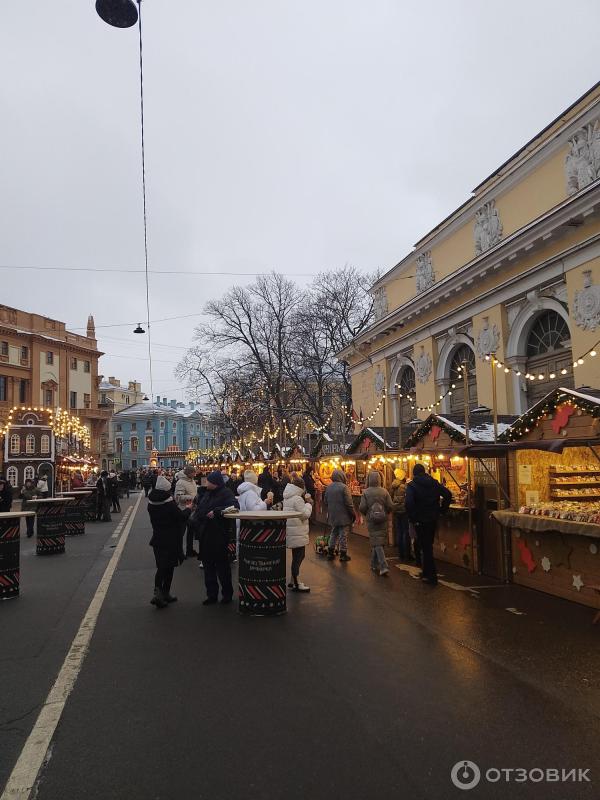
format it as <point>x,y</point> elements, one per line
<point>554,474</point>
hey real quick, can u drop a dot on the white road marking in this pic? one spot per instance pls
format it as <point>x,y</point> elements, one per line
<point>24,775</point>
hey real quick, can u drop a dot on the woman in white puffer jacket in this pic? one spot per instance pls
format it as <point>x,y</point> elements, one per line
<point>249,498</point>
<point>294,499</point>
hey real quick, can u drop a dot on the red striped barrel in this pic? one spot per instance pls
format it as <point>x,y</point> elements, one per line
<point>9,557</point>
<point>261,567</point>
<point>51,528</point>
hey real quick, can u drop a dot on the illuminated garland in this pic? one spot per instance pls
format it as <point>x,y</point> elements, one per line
<point>60,421</point>
<point>526,422</point>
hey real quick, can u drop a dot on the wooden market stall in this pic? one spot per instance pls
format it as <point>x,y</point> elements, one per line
<point>466,536</point>
<point>554,475</point>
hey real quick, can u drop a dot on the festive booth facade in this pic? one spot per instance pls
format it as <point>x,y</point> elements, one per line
<point>554,474</point>
<point>466,536</point>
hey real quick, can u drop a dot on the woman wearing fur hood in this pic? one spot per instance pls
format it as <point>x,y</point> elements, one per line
<point>294,499</point>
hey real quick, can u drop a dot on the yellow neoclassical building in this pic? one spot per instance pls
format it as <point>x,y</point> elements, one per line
<point>514,271</point>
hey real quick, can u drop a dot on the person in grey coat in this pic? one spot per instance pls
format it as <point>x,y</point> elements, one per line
<point>376,504</point>
<point>340,514</point>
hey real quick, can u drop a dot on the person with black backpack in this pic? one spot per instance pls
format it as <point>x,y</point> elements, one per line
<point>426,499</point>
<point>376,504</point>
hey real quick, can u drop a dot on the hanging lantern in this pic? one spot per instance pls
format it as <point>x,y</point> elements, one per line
<point>139,329</point>
<point>118,13</point>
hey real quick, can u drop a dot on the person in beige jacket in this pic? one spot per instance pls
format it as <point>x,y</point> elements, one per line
<point>376,504</point>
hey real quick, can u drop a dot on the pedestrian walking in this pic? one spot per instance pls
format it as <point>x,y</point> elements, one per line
<point>426,499</point>
<point>103,498</point>
<point>6,495</point>
<point>166,541</point>
<point>296,498</point>
<point>113,492</point>
<point>398,494</point>
<point>376,504</point>
<point>185,494</point>
<point>215,533</point>
<point>340,514</point>
<point>42,486</point>
<point>29,492</point>
<point>146,481</point>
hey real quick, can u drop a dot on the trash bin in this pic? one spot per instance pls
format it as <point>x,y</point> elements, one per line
<point>262,562</point>
<point>51,524</point>
<point>10,543</point>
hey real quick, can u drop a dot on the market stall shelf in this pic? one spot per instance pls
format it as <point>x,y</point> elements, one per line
<point>262,561</point>
<point>10,544</point>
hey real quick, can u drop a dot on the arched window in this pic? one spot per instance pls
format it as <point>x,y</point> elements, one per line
<point>548,353</point>
<point>462,355</point>
<point>12,476</point>
<point>134,443</point>
<point>45,443</point>
<point>406,401</point>
<point>29,474</point>
<point>30,443</point>
<point>15,443</point>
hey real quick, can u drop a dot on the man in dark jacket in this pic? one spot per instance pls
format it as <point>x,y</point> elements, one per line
<point>167,538</point>
<point>266,483</point>
<point>340,514</point>
<point>215,535</point>
<point>423,496</point>
<point>103,497</point>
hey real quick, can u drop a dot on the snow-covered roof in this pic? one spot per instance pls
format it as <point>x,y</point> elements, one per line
<point>478,432</point>
<point>146,408</point>
<point>590,398</point>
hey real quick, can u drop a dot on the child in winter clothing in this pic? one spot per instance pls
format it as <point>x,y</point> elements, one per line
<point>167,535</point>
<point>294,499</point>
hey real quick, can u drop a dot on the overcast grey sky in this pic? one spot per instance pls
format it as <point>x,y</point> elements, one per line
<point>279,135</point>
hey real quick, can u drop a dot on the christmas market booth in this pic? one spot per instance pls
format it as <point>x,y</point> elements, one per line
<point>367,451</point>
<point>466,536</point>
<point>554,475</point>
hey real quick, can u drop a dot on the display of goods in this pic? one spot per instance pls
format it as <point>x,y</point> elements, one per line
<point>573,512</point>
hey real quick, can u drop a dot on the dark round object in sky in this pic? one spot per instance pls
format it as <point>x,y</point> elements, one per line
<point>118,13</point>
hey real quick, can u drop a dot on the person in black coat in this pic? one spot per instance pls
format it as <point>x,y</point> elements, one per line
<point>215,534</point>
<point>103,498</point>
<point>266,483</point>
<point>6,495</point>
<point>166,541</point>
<point>426,499</point>
<point>309,481</point>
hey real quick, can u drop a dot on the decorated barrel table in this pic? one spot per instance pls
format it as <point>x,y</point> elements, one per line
<point>51,524</point>
<point>76,512</point>
<point>261,561</point>
<point>10,541</point>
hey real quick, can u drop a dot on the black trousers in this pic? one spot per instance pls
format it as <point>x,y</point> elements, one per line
<point>425,536</point>
<point>221,570</point>
<point>116,506</point>
<point>29,522</point>
<point>298,554</point>
<point>164,578</point>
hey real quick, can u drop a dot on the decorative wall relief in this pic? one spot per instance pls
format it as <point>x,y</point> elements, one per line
<point>487,340</point>
<point>424,271</point>
<point>586,304</point>
<point>379,381</point>
<point>488,228</point>
<point>423,366</point>
<point>380,303</point>
<point>582,163</point>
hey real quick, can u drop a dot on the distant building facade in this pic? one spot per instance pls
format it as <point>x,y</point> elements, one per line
<point>170,433</point>
<point>43,365</point>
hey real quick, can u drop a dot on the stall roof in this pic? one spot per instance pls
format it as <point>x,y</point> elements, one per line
<point>376,434</point>
<point>585,398</point>
<point>480,430</point>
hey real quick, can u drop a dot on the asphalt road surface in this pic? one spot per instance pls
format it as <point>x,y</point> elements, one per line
<point>368,687</point>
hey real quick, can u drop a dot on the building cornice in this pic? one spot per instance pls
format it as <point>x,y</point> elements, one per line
<point>571,213</point>
<point>515,172</point>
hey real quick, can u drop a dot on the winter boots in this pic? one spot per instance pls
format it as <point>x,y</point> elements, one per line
<point>159,600</point>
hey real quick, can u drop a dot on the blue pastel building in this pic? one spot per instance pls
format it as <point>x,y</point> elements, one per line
<point>171,433</point>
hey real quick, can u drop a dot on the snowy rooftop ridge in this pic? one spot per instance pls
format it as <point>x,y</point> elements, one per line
<point>478,432</point>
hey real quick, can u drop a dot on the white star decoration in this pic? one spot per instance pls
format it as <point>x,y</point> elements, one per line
<point>577,582</point>
<point>546,564</point>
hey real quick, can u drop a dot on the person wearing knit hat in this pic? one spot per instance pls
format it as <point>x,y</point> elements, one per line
<point>216,537</point>
<point>166,541</point>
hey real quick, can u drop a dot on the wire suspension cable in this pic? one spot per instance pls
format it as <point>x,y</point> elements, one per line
<point>139,2</point>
